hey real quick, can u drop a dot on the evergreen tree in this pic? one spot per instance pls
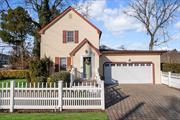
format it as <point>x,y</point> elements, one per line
<point>16,25</point>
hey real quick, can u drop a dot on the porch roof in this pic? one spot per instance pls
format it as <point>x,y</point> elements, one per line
<point>73,52</point>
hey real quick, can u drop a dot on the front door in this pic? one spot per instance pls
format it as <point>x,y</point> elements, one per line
<point>87,67</point>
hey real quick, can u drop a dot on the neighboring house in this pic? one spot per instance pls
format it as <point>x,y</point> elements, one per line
<point>4,59</point>
<point>104,47</point>
<point>71,41</point>
<point>171,57</point>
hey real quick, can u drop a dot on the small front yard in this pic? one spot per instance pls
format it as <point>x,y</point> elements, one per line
<point>8,81</point>
<point>54,116</point>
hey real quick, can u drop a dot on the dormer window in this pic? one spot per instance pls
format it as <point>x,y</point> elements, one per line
<point>70,36</point>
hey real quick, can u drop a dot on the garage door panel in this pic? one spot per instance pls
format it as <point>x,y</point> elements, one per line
<point>129,73</point>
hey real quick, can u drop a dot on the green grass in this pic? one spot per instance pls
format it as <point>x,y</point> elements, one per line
<point>8,81</point>
<point>54,116</point>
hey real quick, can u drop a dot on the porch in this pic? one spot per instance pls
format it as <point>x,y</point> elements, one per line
<point>74,79</point>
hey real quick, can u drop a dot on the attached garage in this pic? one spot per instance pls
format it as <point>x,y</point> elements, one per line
<point>128,73</point>
<point>130,67</point>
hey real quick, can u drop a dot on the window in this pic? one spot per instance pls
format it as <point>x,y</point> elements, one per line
<point>63,63</point>
<point>136,64</point>
<point>106,65</point>
<point>142,64</point>
<point>118,64</point>
<point>130,64</point>
<point>70,36</point>
<point>112,64</point>
<point>124,64</point>
<point>148,64</point>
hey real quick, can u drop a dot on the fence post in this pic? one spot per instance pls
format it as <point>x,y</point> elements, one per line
<point>72,76</point>
<point>169,79</point>
<point>60,94</point>
<point>12,85</point>
<point>102,96</point>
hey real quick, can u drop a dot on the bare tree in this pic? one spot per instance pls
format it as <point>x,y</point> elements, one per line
<point>84,7</point>
<point>155,15</point>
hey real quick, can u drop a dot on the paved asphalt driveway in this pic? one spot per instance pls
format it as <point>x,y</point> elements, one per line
<point>142,102</point>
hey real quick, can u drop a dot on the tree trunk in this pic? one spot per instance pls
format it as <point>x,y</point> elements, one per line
<point>22,55</point>
<point>151,44</point>
<point>36,48</point>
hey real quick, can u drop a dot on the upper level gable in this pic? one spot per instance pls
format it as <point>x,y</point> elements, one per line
<point>69,12</point>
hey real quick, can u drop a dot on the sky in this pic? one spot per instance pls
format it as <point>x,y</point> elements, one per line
<point>119,29</point>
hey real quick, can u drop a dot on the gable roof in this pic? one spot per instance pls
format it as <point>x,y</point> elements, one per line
<point>64,13</point>
<point>73,52</point>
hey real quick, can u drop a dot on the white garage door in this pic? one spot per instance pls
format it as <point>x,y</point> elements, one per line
<point>128,73</point>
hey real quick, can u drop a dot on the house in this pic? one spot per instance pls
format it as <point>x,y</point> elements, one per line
<point>171,57</point>
<point>71,41</point>
<point>4,59</point>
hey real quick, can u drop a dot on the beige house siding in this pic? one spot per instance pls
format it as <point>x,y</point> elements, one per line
<point>134,58</point>
<point>52,41</point>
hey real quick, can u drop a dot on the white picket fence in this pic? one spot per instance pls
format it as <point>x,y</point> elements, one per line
<point>171,79</point>
<point>54,96</point>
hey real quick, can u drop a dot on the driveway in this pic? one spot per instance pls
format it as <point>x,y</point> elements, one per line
<point>142,102</point>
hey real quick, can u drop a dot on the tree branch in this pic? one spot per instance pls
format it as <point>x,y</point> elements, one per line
<point>154,15</point>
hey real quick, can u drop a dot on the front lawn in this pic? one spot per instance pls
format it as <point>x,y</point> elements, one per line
<point>54,116</point>
<point>8,81</point>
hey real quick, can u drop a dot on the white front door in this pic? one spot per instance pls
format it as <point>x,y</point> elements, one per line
<point>128,73</point>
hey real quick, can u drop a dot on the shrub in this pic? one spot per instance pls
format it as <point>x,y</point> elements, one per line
<point>62,75</point>
<point>10,74</point>
<point>170,67</point>
<point>28,77</point>
<point>40,68</point>
<point>40,79</point>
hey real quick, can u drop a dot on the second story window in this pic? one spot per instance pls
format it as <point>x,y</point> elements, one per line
<point>70,36</point>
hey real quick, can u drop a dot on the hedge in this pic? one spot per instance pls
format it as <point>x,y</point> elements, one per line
<point>62,75</point>
<point>13,74</point>
<point>170,67</point>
